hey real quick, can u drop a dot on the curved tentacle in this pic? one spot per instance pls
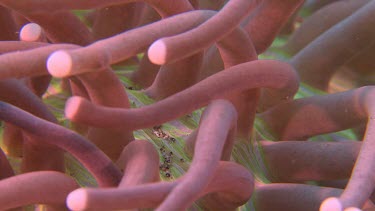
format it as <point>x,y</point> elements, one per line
<point>102,53</point>
<point>325,114</point>
<point>19,95</point>
<point>102,168</point>
<point>272,74</point>
<point>140,163</point>
<point>171,49</point>
<point>219,118</point>
<point>355,35</point>
<point>234,180</point>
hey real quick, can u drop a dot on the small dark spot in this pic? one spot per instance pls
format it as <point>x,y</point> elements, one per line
<point>182,160</point>
<point>164,167</point>
<point>167,174</point>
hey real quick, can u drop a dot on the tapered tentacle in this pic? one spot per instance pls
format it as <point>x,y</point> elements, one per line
<point>267,20</point>
<point>235,182</point>
<point>60,33</point>
<point>59,25</point>
<point>28,62</point>
<point>51,188</point>
<point>362,65</point>
<point>175,77</point>
<point>117,48</point>
<point>19,95</point>
<point>98,86</point>
<point>102,168</point>
<point>89,87</point>
<point>245,76</point>
<point>171,49</point>
<point>355,35</point>
<point>115,19</point>
<point>101,105</point>
<point>140,163</point>
<point>306,117</point>
<point>112,20</point>
<point>237,48</point>
<point>9,46</point>
<point>32,32</point>
<point>146,72</point>
<point>295,161</point>
<point>362,178</point>
<point>319,22</point>
<point>292,197</point>
<point>327,114</point>
<point>219,118</point>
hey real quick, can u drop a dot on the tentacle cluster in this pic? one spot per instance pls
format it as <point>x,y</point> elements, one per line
<point>167,105</point>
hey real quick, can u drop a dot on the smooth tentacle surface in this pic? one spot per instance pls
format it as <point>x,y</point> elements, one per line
<point>270,16</point>
<point>293,197</point>
<point>329,110</point>
<point>27,63</point>
<point>33,151</point>
<point>100,53</point>
<point>51,188</point>
<point>122,46</point>
<point>274,74</point>
<point>234,181</point>
<point>296,161</point>
<point>102,168</point>
<point>171,49</point>
<point>316,70</point>
<point>319,22</point>
<point>219,118</point>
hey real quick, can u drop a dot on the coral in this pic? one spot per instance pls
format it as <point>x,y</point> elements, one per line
<point>187,105</point>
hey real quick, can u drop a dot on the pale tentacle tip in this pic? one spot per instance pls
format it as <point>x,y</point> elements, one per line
<point>331,204</point>
<point>72,106</point>
<point>31,32</point>
<point>77,200</point>
<point>157,52</point>
<point>59,64</point>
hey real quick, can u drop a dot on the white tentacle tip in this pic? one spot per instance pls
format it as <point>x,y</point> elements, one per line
<point>157,52</point>
<point>72,106</point>
<point>31,32</point>
<point>77,200</point>
<point>331,204</point>
<point>59,64</point>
